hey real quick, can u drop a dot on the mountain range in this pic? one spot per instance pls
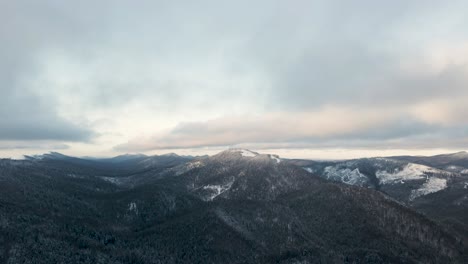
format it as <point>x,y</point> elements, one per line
<point>436,186</point>
<point>237,206</point>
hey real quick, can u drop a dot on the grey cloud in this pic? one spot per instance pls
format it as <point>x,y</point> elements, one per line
<point>312,53</point>
<point>344,53</point>
<point>26,117</point>
<point>357,60</point>
<point>24,113</point>
<point>213,56</point>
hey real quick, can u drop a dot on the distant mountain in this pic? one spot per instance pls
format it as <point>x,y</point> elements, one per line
<point>50,156</point>
<point>439,191</point>
<point>456,162</point>
<point>238,206</point>
<point>119,166</point>
<point>123,158</point>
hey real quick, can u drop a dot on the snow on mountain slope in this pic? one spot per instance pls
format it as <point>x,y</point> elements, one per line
<point>346,175</point>
<point>275,157</point>
<point>433,180</point>
<point>216,190</point>
<point>411,171</point>
<point>401,179</point>
<point>247,153</point>
<point>243,174</point>
<point>235,153</point>
<point>432,185</point>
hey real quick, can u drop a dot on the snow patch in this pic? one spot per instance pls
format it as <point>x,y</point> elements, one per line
<point>348,176</point>
<point>195,164</point>
<point>132,207</point>
<point>247,153</point>
<point>217,189</point>
<point>431,186</point>
<point>465,171</point>
<point>310,170</point>
<point>276,158</point>
<point>113,180</point>
<point>411,171</point>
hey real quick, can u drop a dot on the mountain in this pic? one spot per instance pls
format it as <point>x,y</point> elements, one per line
<point>123,158</point>
<point>243,174</point>
<point>456,162</point>
<point>438,191</point>
<point>238,206</point>
<point>119,166</point>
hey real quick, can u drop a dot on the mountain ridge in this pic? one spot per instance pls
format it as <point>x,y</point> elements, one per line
<point>237,206</point>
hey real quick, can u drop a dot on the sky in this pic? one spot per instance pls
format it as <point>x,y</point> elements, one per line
<point>313,79</point>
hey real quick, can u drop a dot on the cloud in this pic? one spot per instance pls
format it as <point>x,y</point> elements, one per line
<point>26,113</point>
<point>447,112</point>
<point>331,126</point>
<point>272,73</point>
<point>26,116</point>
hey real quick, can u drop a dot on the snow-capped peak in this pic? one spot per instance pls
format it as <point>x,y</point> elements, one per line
<point>247,153</point>
<point>243,152</point>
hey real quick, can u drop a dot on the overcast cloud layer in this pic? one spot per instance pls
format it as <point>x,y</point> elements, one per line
<point>109,77</point>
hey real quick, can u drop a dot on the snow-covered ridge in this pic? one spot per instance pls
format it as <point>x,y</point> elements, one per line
<point>250,154</point>
<point>247,153</point>
<point>411,171</point>
<point>414,171</point>
<point>346,175</point>
<point>242,152</point>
